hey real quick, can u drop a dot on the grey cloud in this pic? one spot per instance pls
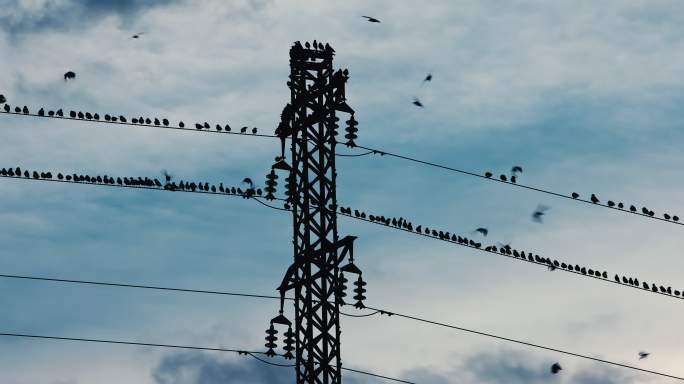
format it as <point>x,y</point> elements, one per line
<point>202,368</point>
<point>51,15</point>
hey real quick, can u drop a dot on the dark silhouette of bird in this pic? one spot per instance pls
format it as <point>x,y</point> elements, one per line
<point>181,125</point>
<point>538,213</point>
<point>516,169</point>
<point>137,35</point>
<point>575,195</point>
<point>219,128</point>
<point>243,129</point>
<point>632,208</point>
<point>483,231</point>
<point>198,126</point>
<point>80,115</point>
<point>248,181</point>
<point>165,122</point>
<point>611,203</point>
<point>41,112</point>
<point>503,178</point>
<point>88,116</point>
<point>206,125</point>
<point>7,108</point>
<point>488,174</point>
<point>72,114</point>
<point>3,99</point>
<point>555,368</point>
<point>594,199</point>
<point>620,205</point>
<point>675,218</point>
<point>17,110</point>
<point>371,19</point>
<point>70,75</point>
<point>417,103</point>
<point>514,179</point>
<point>25,110</point>
<point>156,121</point>
<point>428,78</point>
<point>227,128</point>
<point>666,216</point>
<point>60,113</point>
<point>254,130</point>
<point>643,355</point>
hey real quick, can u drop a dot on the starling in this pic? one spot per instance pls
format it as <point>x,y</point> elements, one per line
<point>643,355</point>
<point>417,103</point>
<point>370,19</point>
<point>69,75</point>
<point>575,195</point>
<point>594,199</point>
<point>555,368</point>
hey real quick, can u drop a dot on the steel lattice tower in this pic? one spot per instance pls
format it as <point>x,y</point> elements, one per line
<point>316,275</point>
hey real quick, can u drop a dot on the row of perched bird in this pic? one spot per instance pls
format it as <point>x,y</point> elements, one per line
<point>121,119</point>
<point>610,203</point>
<point>593,198</point>
<point>505,250</point>
<point>146,182</point>
<point>515,170</point>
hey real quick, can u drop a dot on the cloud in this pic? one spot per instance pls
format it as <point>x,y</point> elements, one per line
<point>35,16</point>
<point>202,368</point>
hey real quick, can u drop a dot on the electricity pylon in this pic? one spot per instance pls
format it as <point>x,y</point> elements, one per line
<point>317,275</point>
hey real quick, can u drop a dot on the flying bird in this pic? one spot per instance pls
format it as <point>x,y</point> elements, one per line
<point>555,368</point>
<point>417,103</point>
<point>69,75</point>
<point>516,169</point>
<point>137,35</point>
<point>427,78</point>
<point>249,182</point>
<point>371,19</point>
<point>643,355</point>
<point>483,231</point>
<point>538,213</point>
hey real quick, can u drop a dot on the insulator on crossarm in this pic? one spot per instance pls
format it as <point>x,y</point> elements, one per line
<point>360,290</point>
<point>289,344</point>
<point>342,289</point>
<point>271,338</point>
<point>271,184</point>
<point>351,131</point>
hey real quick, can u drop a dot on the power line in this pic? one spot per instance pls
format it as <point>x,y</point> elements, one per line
<point>374,309</point>
<point>175,346</point>
<point>536,189</point>
<point>673,218</point>
<point>536,259</point>
<point>174,127</point>
<point>511,254</point>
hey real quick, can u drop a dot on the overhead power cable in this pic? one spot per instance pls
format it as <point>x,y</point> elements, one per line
<point>175,346</point>
<point>643,211</point>
<point>375,310</point>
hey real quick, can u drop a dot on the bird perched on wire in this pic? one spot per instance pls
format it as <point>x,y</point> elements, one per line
<point>3,99</point>
<point>594,199</point>
<point>483,231</point>
<point>555,368</point>
<point>417,102</point>
<point>539,213</point>
<point>70,75</point>
<point>643,355</point>
<point>371,19</point>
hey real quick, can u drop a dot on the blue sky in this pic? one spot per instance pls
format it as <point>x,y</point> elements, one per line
<point>585,96</point>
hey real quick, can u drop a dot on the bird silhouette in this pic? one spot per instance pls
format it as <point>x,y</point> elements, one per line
<point>483,231</point>
<point>137,35</point>
<point>503,178</point>
<point>248,181</point>
<point>7,108</point>
<point>427,78</point>
<point>219,128</point>
<point>227,128</point>
<point>417,103</point>
<point>575,195</point>
<point>555,368</point>
<point>488,174</point>
<point>371,19</point>
<point>70,75</point>
<point>243,129</point>
<point>594,199</point>
<point>516,169</point>
<point>538,213</point>
<point>254,130</point>
<point>41,112</point>
<point>3,99</point>
<point>25,110</point>
<point>198,126</point>
<point>165,122</point>
<point>206,125</point>
<point>643,355</point>
<point>181,125</point>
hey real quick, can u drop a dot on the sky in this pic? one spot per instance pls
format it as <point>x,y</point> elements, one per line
<point>584,95</point>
